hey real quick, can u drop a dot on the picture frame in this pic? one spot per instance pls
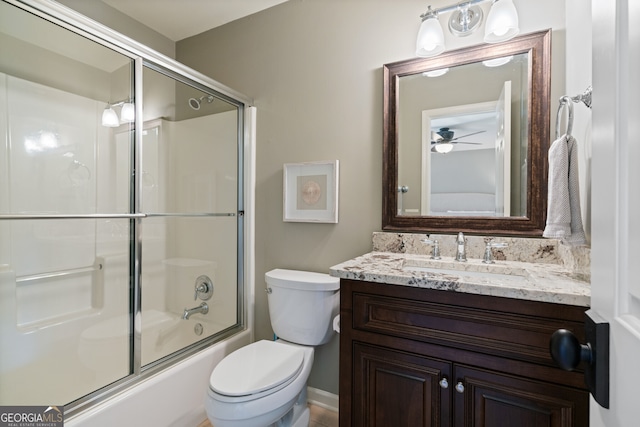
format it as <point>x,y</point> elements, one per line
<point>310,192</point>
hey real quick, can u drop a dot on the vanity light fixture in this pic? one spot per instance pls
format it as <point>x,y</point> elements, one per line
<point>110,118</point>
<point>502,22</point>
<point>466,17</point>
<point>436,73</point>
<point>127,114</point>
<point>496,62</point>
<point>430,40</point>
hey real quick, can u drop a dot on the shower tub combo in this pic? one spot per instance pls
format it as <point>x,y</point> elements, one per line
<point>125,222</point>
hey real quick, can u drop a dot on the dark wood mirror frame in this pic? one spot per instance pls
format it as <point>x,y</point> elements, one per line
<point>538,46</point>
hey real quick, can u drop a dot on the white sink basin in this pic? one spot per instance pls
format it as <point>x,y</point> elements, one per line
<point>466,269</point>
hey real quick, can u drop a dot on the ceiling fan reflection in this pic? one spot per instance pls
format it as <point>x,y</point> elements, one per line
<point>443,140</point>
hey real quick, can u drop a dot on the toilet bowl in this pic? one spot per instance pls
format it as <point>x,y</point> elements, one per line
<point>259,384</point>
<point>265,383</point>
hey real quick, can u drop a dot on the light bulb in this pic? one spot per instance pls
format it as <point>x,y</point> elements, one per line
<point>502,22</point>
<point>444,147</point>
<point>436,73</point>
<point>430,41</point>
<point>496,62</point>
<point>128,112</point>
<point>110,118</point>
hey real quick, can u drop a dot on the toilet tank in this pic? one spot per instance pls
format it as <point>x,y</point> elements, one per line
<point>302,305</point>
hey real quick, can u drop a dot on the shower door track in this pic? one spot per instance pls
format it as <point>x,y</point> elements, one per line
<point>74,216</point>
<point>112,216</point>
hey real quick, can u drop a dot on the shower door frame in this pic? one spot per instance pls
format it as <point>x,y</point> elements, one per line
<point>144,56</point>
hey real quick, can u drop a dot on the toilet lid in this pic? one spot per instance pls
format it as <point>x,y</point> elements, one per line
<point>255,368</point>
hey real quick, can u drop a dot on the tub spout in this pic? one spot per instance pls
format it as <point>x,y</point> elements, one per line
<point>202,308</point>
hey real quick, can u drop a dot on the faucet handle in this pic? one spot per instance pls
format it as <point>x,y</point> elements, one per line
<point>488,255</point>
<point>435,253</point>
<point>203,288</point>
<point>497,244</point>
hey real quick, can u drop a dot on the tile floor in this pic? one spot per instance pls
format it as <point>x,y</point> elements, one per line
<point>320,417</point>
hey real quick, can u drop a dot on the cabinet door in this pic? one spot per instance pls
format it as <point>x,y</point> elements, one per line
<point>394,388</point>
<point>489,399</point>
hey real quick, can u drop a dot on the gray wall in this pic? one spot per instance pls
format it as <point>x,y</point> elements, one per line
<point>114,19</point>
<point>314,70</point>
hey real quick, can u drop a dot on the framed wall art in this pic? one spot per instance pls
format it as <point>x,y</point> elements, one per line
<point>311,192</point>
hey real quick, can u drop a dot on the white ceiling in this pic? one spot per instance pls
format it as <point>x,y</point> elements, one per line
<point>179,19</point>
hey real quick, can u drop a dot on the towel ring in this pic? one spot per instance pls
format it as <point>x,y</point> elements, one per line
<point>565,101</point>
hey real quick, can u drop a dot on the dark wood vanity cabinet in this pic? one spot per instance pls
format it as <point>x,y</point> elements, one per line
<point>421,357</point>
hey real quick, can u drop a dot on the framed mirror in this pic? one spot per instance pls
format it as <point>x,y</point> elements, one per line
<point>465,141</point>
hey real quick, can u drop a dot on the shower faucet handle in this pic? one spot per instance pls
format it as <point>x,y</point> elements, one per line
<point>203,288</point>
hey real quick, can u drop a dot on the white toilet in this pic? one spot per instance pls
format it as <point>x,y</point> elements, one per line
<point>265,383</point>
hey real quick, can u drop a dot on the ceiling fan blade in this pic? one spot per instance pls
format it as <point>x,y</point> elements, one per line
<point>465,142</point>
<point>469,134</point>
<point>436,138</point>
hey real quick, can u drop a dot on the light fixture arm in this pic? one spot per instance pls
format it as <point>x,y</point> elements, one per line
<point>120,103</point>
<point>430,13</point>
<point>452,8</point>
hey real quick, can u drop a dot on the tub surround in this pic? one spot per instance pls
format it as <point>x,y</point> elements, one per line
<point>547,270</point>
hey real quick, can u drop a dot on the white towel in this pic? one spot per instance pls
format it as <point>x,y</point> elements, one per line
<point>564,220</point>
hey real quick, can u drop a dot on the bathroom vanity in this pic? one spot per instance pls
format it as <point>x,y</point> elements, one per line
<point>422,345</point>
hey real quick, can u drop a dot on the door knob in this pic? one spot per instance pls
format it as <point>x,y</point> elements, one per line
<point>567,351</point>
<point>444,383</point>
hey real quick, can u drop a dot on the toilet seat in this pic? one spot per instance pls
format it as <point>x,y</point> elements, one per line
<point>255,370</point>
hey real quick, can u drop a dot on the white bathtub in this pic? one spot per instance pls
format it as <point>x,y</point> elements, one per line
<point>171,398</point>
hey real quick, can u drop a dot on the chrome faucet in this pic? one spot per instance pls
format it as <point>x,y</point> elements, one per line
<point>461,252</point>
<point>435,252</point>
<point>202,308</point>
<point>488,255</point>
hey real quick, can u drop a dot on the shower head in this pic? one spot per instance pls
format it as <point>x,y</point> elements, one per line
<point>195,103</point>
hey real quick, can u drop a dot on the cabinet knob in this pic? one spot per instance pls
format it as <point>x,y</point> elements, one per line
<point>460,387</point>
<point>444,383</point>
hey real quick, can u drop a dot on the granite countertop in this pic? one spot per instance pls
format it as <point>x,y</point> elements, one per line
<point>544,282</point>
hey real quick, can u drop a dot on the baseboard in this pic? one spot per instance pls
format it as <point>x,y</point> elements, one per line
<point>322,398</point>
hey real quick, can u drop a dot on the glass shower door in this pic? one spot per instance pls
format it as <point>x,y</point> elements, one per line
<point>65,306</point>
<point>121,245</point>
<point>189,194</point>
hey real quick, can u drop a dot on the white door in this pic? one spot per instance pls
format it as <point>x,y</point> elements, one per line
<point>615,207</point>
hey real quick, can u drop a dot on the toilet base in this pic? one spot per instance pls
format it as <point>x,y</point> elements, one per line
<point>298,416</point>
<point>304,419</point>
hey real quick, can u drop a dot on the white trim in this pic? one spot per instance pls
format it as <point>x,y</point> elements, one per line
<point>249,176</point>
<point>323,399</point>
